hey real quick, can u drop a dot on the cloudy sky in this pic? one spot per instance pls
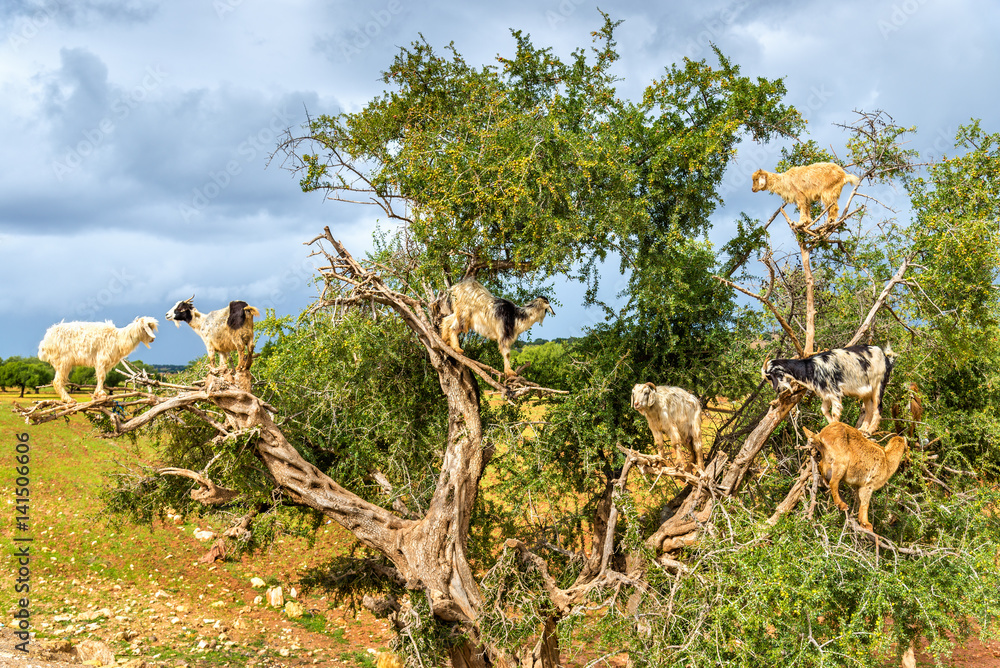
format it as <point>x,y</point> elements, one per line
<point>136,133</point>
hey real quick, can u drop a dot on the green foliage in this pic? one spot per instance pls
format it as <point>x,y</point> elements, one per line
<point>549,363</point>
<point>359,397</point>
<point>524,166</point>
<point>807,595</point>
<point>25,372</point>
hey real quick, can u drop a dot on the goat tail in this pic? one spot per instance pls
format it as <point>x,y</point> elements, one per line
<point>852,179</point>
<point>890,361</point>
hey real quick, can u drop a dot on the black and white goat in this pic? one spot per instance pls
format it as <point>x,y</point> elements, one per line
<point>474,307</point>
<point>97,344</point>
<point>223,330</point>
<point>857,371</point>
<point>673,414</point>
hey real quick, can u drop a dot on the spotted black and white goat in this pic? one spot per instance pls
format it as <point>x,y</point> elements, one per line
<point>474,307</point>
<point>674,414</point>
<point>97,344</point>
<point>223,330</point>
<point>856,371</point>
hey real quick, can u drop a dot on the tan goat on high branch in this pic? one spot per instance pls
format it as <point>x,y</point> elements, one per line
<point>802,186</point>
<point>845,455</point>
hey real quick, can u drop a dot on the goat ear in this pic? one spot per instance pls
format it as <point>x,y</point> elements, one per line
<point>763,368</point>
<point>808,433</point>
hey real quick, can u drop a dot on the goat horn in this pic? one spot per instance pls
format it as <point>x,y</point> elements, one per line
<point>651,386</point>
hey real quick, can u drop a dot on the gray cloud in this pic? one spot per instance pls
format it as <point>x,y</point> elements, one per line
<point>138,132</point>
<point>78,12</point>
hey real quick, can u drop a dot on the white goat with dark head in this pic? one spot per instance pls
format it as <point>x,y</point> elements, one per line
<point>856,371</point>
<point>674,414</point>
<point>97,344</point>
<point>474,307</point>
<point>223,330</point>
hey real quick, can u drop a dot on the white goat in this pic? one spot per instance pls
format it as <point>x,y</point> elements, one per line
<point>97,344</point>
<point>675,414</point>
<point>804,185</point>
<point>223,330</point>
<point>475,308</point>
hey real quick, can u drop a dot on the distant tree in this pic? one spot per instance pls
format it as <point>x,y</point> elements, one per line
<point>25,372</point>
<point>549,363</point>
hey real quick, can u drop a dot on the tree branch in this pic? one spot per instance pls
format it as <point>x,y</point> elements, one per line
<point>770,307</point>
<point>896,278</point>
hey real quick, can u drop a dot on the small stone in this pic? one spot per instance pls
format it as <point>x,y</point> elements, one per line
<point>294,609</point>
<point>257,583</point>
<point>204,535</point>
<point>275,598</point>
<point>94,653</point>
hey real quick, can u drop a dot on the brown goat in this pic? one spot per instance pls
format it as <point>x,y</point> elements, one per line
<point>845,455</point>
<point>802,186</point>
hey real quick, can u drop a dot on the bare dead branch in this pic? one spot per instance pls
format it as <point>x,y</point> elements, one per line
<point>896,278</point>
<point>208,493</point>
<point>794,494</point>
<point>770,307</point>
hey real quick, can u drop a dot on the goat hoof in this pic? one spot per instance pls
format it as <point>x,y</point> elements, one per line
<point>842,505</point>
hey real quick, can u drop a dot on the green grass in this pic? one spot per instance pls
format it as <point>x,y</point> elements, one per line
<point>358,658</point>
<point>78,560</point>
<point>316,623</point>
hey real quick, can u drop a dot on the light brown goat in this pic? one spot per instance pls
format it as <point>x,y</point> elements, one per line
<point>674,414</point>
<point>802,186</point>
<point>845,455</point>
